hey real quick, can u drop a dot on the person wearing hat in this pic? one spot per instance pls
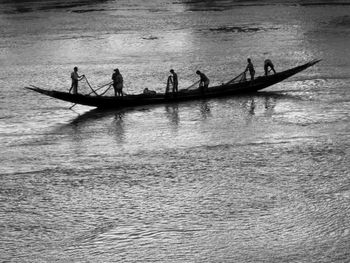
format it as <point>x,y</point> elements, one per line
<point>117,83</point>
<point>75,78</point>
<point>175,81</point>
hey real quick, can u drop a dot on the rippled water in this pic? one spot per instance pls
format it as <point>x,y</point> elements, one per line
<point>258,178</point>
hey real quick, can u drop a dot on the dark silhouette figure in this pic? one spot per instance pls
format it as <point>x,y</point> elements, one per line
<point>117,83</point>
<point>203,82</point>
<point>250,68</point>
<point>175,81</point>
<point>149,92</point>
<point>169,82</point>
<point>75,78</point>
<point>268,64</point>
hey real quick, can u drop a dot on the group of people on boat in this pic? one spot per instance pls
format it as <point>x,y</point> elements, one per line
<point>117,82</point>
<point>174,82</point>
<point>268,66</point>
<point>117,79</point>
<point>204,80</point>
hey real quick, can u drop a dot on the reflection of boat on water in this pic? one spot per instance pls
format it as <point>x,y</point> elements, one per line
<point>228,89</point>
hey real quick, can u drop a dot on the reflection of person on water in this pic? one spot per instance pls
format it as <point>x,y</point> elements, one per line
<point>117,83</point>
<point>175,81</point>
<point>268,64</point>
<point>203,82</point>
<point>250,68</point>
<point>75,78</point>
<point>172,111</point>
<point>118,126</point>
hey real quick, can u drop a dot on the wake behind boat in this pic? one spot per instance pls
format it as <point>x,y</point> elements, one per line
<point>230,88</point>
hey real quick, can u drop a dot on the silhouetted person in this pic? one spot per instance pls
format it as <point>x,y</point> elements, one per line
<point>75,78</point>
<point>268,64</point>
<point>175,81</point>
<point>168,83</point>
<point>117,83</point>
<point>250,68</point>
<point>203,82</point>
<point>149,92</point>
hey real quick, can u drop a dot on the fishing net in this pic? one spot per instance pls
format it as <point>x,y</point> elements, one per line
<point>86,88</point>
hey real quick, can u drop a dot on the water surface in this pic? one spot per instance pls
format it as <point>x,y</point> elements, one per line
<point>257,178</point>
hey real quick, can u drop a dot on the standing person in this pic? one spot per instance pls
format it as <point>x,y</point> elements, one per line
<point>117,83</point>
<point>251,69</point>
<point>175,81</point>
<point>75,78</point>
<point>203,82</point>
<point>168,83</point>
<point>268,64</point>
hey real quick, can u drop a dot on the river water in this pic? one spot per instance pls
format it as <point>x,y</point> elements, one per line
<point>258,178</point>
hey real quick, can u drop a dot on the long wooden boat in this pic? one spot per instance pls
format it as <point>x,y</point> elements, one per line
<point>228,89</point>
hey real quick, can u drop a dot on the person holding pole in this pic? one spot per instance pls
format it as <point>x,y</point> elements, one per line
<point>75,78</point>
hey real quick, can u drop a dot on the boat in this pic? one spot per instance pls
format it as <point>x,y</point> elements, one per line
<point>237,86</point>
